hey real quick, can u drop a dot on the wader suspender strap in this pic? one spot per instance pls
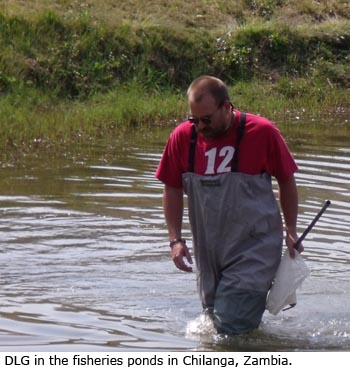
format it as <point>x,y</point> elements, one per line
<point>192,149</point>
<point>240,134</point>
<point>193,140</point>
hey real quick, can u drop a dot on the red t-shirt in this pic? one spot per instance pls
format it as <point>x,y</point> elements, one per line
<point>262,149</point>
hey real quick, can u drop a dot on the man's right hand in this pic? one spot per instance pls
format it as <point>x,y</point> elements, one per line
<point>180,251</point>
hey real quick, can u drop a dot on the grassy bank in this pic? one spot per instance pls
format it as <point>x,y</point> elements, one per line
<point>73,69</point>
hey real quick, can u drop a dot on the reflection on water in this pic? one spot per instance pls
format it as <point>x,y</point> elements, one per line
<point>85,263</point>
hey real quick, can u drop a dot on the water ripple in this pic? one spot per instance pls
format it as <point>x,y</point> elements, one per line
<point>86,265</point>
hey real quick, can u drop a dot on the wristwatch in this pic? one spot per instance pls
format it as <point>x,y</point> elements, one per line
<point>176,240</point>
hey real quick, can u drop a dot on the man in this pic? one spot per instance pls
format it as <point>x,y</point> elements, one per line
<point>223,160</point>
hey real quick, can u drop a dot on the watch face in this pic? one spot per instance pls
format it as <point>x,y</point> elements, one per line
<point>176,240</point>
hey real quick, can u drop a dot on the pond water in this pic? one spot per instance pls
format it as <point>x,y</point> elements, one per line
<point>85,264</point>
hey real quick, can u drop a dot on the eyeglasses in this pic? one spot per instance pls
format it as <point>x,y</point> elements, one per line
<point>207,119</point>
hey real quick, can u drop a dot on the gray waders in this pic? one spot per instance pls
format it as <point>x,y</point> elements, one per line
<point>237,239</point>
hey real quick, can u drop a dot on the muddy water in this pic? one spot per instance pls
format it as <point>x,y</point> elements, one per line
<point>85,262</point>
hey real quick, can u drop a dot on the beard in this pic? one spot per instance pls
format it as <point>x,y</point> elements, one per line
<point>212,133</point>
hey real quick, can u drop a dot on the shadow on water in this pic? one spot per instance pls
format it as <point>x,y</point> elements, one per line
<point>85,263</point>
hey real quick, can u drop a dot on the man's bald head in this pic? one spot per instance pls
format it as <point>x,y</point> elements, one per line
<point>208,85</point>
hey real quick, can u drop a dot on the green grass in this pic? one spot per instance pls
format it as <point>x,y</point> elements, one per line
<point>77,70</point>
<point>32,120</point>
<point>291,98</point>
<point>214,15</point>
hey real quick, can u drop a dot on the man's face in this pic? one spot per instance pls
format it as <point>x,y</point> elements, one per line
<point>211,120</point>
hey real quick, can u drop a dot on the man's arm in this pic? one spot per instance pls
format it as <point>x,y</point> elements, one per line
<point>173,212</point>
<point>288,195</point>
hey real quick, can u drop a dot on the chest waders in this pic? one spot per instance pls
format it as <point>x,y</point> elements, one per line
<point>237,239</point>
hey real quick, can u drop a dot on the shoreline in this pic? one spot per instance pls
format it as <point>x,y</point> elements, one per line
<point>78,75</point>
